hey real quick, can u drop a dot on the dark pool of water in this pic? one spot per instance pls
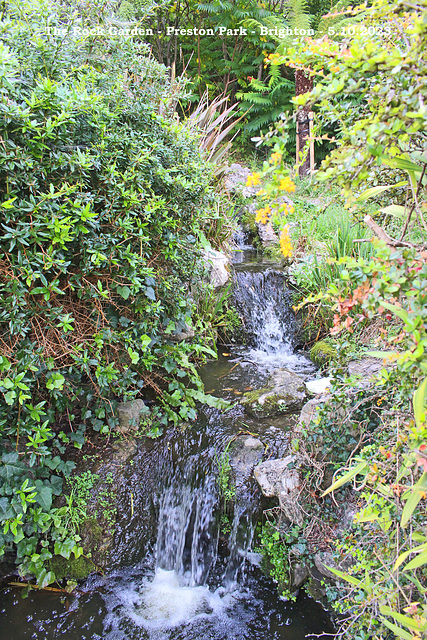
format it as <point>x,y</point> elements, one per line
<point>110,609</point>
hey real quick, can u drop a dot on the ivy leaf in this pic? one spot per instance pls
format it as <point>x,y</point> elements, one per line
<point>4,508</point>
<point>56,485</point>
<point>12,466</point>
<point>44,497</point>
<point>150,293</point>
<point>124,292</point>
<point>44,578</point>
<point>145,341</point>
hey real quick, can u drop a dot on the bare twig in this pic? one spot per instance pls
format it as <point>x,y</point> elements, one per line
<point>382,235</point>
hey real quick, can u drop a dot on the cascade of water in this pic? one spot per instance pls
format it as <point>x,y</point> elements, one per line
<point>240,540</point>
<point>187,529</point>
<point>264,304</point>
<point>187,539</point>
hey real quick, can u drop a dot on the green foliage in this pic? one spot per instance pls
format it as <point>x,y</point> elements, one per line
<point>103,201</point>
<point>217,313</point>
<point>75,569</point>
<point>280,547</point>
<point>226,55</point>
<point>383,139</point>
<point>380,427</point>
<point>267,100</point>
<point>386,442</point>
<point>80,492</point>
<point>314,274</point>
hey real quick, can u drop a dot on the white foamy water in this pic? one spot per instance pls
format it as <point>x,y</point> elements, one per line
<point>166,603</point>
<point>280,359</point>
<point>158,605</point>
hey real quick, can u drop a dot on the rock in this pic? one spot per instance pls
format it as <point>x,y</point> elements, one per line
<point>325,559</point>
<point>267,235</point>
<point>269,474</point>
<point>318,387</point>
<point>300,573</point>
<point>129,415</point>
<point>182,333</point>
<point>217,264</point>
<point>283,393</point>
<point>235,181</point>
<point>322,352</point>
<point>280,479</point>
<point>366,369</point>
<point>316,202</point>
<point>124,449</point>
<point>245,454</point>
<point>309,412</point>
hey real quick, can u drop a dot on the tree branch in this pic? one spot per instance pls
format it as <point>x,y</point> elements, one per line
<point>382,235</point>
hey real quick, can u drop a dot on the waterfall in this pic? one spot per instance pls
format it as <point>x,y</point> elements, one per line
<point>187,537</point>
<point>265,306</point>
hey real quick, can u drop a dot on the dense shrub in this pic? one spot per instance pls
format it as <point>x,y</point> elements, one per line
<point>102,203</point>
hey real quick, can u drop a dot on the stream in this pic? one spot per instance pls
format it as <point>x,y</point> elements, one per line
<point>175,575</point>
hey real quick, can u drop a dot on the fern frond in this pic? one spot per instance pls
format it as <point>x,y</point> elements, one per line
<point>257,98</point>
<point>258,85</point>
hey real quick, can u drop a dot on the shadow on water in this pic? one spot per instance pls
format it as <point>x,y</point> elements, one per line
<point>174,579</point>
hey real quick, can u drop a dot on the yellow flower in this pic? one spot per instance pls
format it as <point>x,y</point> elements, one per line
<point>261,192</point>
<point>253,179</point>
<point>285,242</point>
<point>275,157</point>
<point>263,215</point>
<point>286,184</point>
<point>286,208</point>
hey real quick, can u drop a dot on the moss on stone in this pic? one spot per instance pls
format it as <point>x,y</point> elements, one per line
<point>322,352</point>
<point>73,569</point>
<point>92,533</point>
<point>249,224</point>
<point>252,396</point>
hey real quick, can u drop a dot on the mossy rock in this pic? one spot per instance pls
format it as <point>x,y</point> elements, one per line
<point>322,352</point>
<point>283,393</point>
<point>73,569</point>
<point>97,539</point>
<point>248,221</point>
<point>250,226</point>
<point>96,542</point>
